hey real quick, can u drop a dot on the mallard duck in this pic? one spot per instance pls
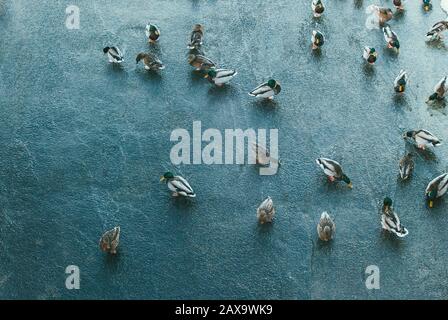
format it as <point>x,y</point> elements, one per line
<point>370,55</point>
<point>326,228</point>
<point>436,188</point>
<point>391,38</point>
<point>150,61</point>
<point>422,138</point>
<point>427,5</point>
<point>400,81</point>
<point>317,39</point>
<point>267,90</point>
<point>333,171</point>
<point>398,5</point>
<point>200,62</point>
<point>436,31</point>
<point>439,91</point>
<point>152,32</point>
<point>109,240</point>
<point>178,185</point>
<point>406,166</point>
<point>114,54</point>
<point>220,76</point>
<point>318,8</point>
<point>382,14</point>
<point>266,211</point>
<point>196,37</point>
<point>390,220</point>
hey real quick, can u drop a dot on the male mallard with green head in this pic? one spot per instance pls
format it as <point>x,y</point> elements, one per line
<point>401,81</point>
<point>333,171</point>
<point>370,55</point>
<point>390,220</point>
<point>318,8</point>
<point>152,32</point>
<point>267,90</point>
<point>391,38</point>
<point>436,188</point>
<point>427,5</point>
<point>178,185</point>
<point>114,54</point>
<point>317,39</point>
<point>220,77</point>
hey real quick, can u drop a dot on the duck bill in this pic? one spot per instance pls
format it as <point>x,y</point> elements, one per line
<point>206,76</point>
<point>162,178</point>
<point>431,203</point>
<point>350,185</point>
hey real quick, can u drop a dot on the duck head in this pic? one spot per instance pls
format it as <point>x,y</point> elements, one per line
<point>347,181</point>
<point>272,83</point>
<point>166,177</point>
<point>211,73</point>
<point>430,197</point>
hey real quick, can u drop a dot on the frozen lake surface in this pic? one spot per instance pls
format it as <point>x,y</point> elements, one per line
<point>83,144</point>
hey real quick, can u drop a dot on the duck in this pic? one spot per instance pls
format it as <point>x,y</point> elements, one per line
<point>318,8</point>
<point>114,54</point>
<point>436,188</point>
<point>220,77</point>
<point>150,61</point>
<point>391,38</point>
<point>390,220</point>
<point>178,185</point>
<point>436,31</point>
<point>401,81</point>
<point>326,227</point>
<point>200,62</point>
<point>422,138</point>
<point>333,171</point>
<point>109,240</point>
<point>382,14</point>
<point>317,39</point>
<point>370,55</point>
<point>267,90</point>
<point>427,5</point>
<point>152,32</point>
<point>196,37</point>
<point>266,211</point>
<point>398,4</point>
<point>406,165</point>
<point>439,91</point>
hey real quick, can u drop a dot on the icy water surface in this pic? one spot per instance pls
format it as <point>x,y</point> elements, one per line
<point>83,144</point>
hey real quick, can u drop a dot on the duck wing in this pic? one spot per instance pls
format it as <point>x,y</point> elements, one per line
<point>261,89</point>
<point>182,186</point>
<point>330,167</point>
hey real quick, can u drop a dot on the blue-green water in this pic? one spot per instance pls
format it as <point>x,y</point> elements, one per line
<point>83,145</point>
